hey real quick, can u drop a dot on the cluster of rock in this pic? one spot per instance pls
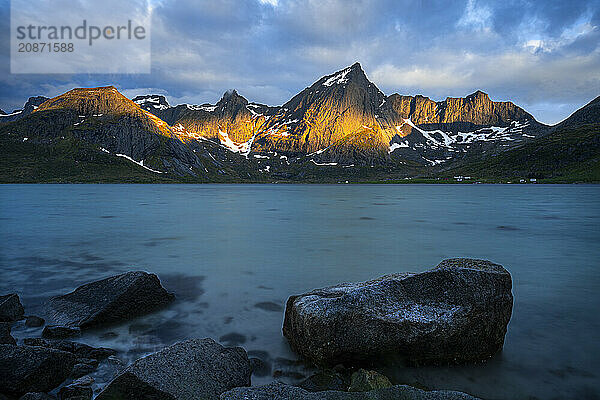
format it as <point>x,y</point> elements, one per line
<point>40,365</point>
<point>456,312</point>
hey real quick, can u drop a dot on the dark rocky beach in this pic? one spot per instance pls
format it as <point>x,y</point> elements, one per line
<point>455,313</point>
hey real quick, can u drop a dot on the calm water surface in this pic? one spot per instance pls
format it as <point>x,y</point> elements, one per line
<point>234,253</point>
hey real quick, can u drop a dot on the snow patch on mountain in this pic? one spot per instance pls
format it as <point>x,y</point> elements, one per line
<point>438,138</point>
<point>241,148</point>
<point>151,102</point>
<point>204,107</point>
<point>140,163</point>
<point>338,79</point>
<point>395,146</point>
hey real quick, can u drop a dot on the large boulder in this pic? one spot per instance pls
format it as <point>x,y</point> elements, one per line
<point>25,369</point>
<point>279,391</point>
<point>192,369</point>
<point>456,312</point>
<point>109,300</point>
<point>10,308</point>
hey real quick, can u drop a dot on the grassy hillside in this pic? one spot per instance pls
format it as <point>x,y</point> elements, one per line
<point>65,162</point>
<point>566,155</point>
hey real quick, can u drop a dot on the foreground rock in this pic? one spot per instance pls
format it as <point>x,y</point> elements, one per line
<point>324,380</point>
<point>34,322</point>
<point>5,337</point>
<point>364,381</point>
<point>456,312</point>
<point>109,300</point>
<point>25,369</point>
<point>80,389</point>
<point>78,349</point>
<point>87,357</point>
<point>37,396</point>
<point>60,332</point>
<point>279,391</point>
<point>10,308</point>
<point>193,369</point>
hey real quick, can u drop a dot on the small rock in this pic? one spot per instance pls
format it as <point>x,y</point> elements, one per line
<point>192,369</point>
<point>324,380</point>
<point>34,322</point>
<point>5,337</point>
<point>60,332</point>
<point>260,367</point>
<point>279,391</point>
<point>39,369</point>
<point>363,381</point>
<point>10,308</point>
<point>109,300</point>
<point>37,396</point>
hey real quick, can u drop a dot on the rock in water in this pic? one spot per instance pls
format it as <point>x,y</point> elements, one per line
<point>109,300</point>
<point>34,322</point>
<point>364,381</point>
<point>10,308</point>
<point>324,380</point>
<point>192,369</point>
<point>456,312</point>
<point>279,391</point>
<point>5,337</point>
<point>60,332</point>
<point>25,369</point>
<point>78,390</point>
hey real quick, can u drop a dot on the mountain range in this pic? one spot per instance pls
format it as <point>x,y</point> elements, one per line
<point>341,128</point>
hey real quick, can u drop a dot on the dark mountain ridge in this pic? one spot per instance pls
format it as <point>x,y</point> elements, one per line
<point>342,122</point>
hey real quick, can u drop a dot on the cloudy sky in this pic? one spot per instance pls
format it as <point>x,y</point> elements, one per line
<point>543,55</point>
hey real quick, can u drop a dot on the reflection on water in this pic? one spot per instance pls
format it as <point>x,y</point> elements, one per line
<point>233,254</point>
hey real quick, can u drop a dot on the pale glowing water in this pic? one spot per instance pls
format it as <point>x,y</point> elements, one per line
<point>234,253</point>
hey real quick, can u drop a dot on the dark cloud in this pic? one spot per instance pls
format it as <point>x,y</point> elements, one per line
<point>543,55</point>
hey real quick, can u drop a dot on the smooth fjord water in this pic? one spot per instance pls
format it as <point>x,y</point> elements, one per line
<point>234,253</point>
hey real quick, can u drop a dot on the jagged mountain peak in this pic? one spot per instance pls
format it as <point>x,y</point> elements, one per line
<point>478,95</point>
<point>152,102</point>
<point>351,75</point>
<point>231,96</point>
<point>34,102</point>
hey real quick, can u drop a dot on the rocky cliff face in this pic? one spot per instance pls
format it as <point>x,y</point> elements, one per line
<point>475,110</point>
<point>336,107</point>
<point>30,105</point>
